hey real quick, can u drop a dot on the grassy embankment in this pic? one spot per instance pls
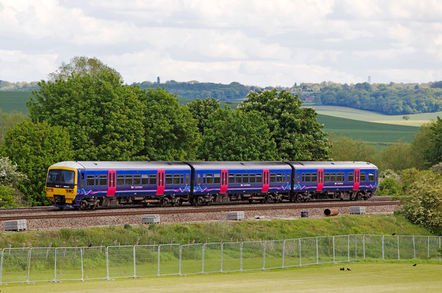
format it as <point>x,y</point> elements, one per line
<point>14,101</point>
<point>213,232</point>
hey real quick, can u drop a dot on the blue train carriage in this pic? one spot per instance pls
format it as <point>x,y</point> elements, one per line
<point>105,184</point>
<point>334,180</point>
<point>239,181</point>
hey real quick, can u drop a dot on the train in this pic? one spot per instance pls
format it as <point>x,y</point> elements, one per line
<point>101,184</point>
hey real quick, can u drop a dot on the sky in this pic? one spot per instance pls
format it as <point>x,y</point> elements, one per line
<point>263,43</point>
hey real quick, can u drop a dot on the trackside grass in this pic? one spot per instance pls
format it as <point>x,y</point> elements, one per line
<point>363,277</point>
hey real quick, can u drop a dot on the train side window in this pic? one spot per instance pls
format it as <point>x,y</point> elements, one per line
<point>326,177</point>
<point>177,179</point>
<point>169,179</point>
<point>137,179</point>
<point>144,179</point>
<point>314,177</point>
<point>339,177</point>
<point>187,179</point>
<point>231,178</point>
<point>128,180</point>
<point>258,178</point>
<point>238,178</point>
<point>362,176</point>
<point>252,178</point>
<point>216,178</point>
<point>333,177</point>
<point>351,176</point>
<point>209,178</point>
<point>102,180</point>
<point>198,178</point>
<point>90,180</point>
<point>273,178</point>
<point>153,179</point>
<point>370,177</point>
<point>120,180</point>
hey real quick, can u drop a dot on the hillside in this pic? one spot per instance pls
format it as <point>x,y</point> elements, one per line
<point>14,101</point>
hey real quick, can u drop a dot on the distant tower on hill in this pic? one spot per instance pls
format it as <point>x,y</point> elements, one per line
<point>158,80</point>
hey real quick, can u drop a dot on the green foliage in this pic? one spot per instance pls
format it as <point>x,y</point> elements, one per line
<point>7,197</point>
<point>347,149</point>
<point>231,135</point>
<point>14,101</point>
<point>171,133</point>
<point>397,157</point>
<point>389,186</point>
<point>201,109</point>
<point>295,130</point>
<point>9,175</point>
<point>9,120</point>
<point>424,206</point>
<point>34,147</point>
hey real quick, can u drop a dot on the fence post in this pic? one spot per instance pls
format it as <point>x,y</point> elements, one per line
<point>363,246</point>
<point>29,265</point>
<point>317,251</point>
<point>264,247</point>
<point>428,247</point>
<point>107,263</point>
<point>1,266</point>
<point>348,248</point>
<point>203,257</point>
<point>159,260</point>
<point>383,242</point>
<point>440,252</point>
<point>241,246</point>
<point>221,257</point>
<point>135,261</point>
<point>300,252</point>
<point>180,260</point>
<point>55,264</point>
<point>398,248</point>
<point>414,247</point>
<point>283,254</point>
<point>82,264</point>
<point>334,252</point>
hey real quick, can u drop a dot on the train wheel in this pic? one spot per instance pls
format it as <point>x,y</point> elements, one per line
<point>165,202</point>
<point>83,205</point>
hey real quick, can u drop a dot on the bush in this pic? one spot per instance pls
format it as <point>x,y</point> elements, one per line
<point>7,198</point>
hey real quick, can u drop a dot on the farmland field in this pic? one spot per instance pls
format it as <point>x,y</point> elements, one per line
<point>14,101</point>
<point>377,134</point>
<point>355,114</point>
<point>363,277</point>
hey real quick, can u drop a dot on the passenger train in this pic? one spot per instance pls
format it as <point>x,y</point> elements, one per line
<point>90,185</point>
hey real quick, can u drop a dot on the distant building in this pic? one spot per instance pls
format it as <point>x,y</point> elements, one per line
<point>158,80</point>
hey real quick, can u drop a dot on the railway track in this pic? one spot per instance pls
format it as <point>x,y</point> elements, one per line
<point>51,213</point>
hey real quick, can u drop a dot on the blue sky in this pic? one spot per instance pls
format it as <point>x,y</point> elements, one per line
<point>252,42</point>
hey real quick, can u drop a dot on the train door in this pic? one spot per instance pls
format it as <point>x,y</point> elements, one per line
<point>111,182</point>
<point>357,179</point>
<point>320,180</point>
<point>224,182</point>
<point>160,182</point>
<point>265,180</point>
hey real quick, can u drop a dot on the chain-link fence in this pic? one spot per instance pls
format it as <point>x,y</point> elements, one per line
<point>87,263</point>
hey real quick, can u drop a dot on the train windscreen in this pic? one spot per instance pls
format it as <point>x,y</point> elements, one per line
<point>60,179</point>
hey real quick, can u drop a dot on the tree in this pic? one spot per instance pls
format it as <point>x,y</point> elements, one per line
<point>427,146</point>
<point>295,130</point>
<point>103,116</point>
<point>10,179</point>
<point>171,133</point>
<point>347,149</point>
<point>397,157</point>
<point>231,135</point>
<point>201,109</point>
<point>34,147</point>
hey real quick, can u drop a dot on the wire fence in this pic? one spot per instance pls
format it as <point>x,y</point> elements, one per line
<point>25,265</point>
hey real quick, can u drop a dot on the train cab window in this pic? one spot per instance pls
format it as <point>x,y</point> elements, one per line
<point>128,180</point>
<point>362,177</point>
<point>371,177</point>
<point>351,176</point>
<point>216,178</point>
<point>169,179</point>
<point>137,179</point>
<point>231,178</point>
<point>102,180</point>
<point>120,180</point>
<point>258,178</point>
<point>90,180</point>
<point>252,178</point>
<point>144,179</point>
<point>177,179</point>
<point>153,179</point>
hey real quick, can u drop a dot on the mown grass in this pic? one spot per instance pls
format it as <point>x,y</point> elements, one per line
<point>14,101</point>
<point>363,277</point>
<point>377,134</point>
<point>213,231</point>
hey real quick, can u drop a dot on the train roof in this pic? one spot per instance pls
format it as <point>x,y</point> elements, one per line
<point>333,165</point>
<point>246,165</point>
<point>129,165</point>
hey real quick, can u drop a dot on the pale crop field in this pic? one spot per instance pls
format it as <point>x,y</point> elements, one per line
<point>355,114</point>
<point>371,277</point>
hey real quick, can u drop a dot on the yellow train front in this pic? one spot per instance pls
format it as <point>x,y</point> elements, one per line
<point>61,184</point>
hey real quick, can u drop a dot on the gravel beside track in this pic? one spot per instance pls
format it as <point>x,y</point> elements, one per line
<point>51,218</point>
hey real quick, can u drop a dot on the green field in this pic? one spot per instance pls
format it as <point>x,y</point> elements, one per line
<point>355,114</point>
<point>378,134</point>
<point>14,101</point>
<point>363,277</point>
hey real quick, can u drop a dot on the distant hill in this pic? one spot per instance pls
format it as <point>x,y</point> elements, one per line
<point>199,90</point>
<point>17,86</point>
